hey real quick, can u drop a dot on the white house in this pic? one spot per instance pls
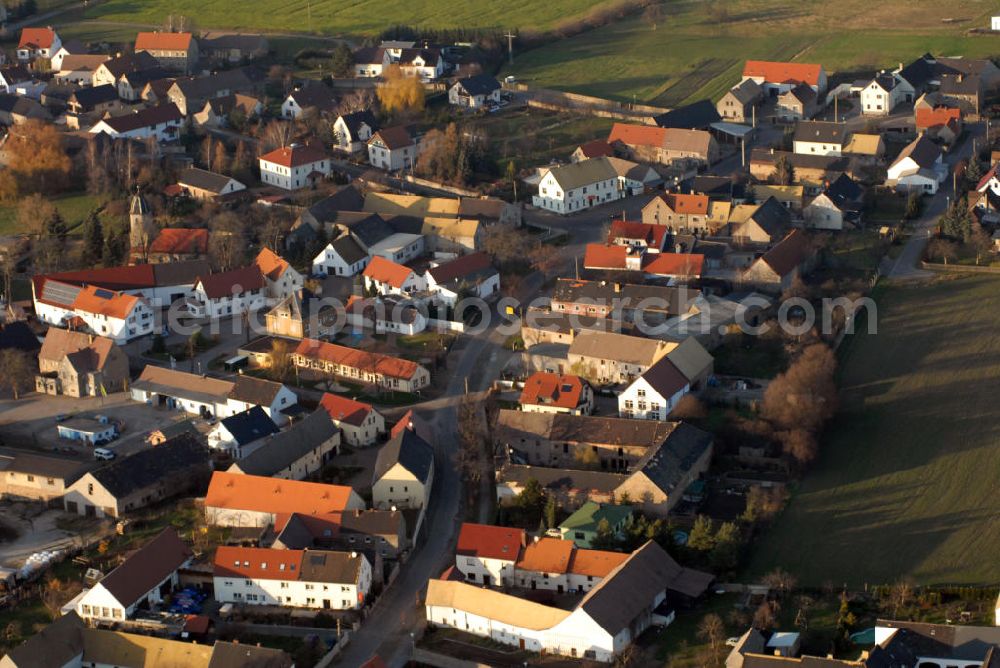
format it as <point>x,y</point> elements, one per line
<point>38,43</point>
<point>385,277</point>
<point>316,579</point>
<point>884,93</point>
<point>424,64</point>
<point>475,92</point>
<point>359,422</point>
<point>559,565</point>
<point>241,433</point>
<point>486,554</point>
<point>839,203</point>
<point>404,472</point>
<point>228,293</point>
<point>819,138</point>
<point>280,278</point>
<point>274,398</point>
<point>164,122</point>
<point>341,257</point>
<point>116,315</point>
<point>351,132</point>
<point>654,394</point>
<point>473,275</point>
<point>370,61</point>
<point>579,185</point>
<point>144,578</point>
<point>918,168</point>
<point>314,96</point>
<point>777,78</point>
<point>392,149</point>
<point>293,167</point>
<point>399,247</point>
<point>13,77</point>
<point>995,23</point>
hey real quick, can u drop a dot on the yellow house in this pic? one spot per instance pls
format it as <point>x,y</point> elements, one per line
<point>404,472</point>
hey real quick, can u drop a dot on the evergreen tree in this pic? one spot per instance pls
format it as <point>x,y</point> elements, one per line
<point>550,513</point>
<point>93,240</point>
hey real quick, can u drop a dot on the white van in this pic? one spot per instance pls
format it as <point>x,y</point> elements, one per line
<point>103,453</point>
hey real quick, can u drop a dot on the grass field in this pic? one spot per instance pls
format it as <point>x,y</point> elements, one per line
<point>358,17</point>
<point>74,209</point>
<point>532,138</point>
<point>905,481</point>
<point>692,54</point>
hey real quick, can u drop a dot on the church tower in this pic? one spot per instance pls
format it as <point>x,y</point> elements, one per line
<point>142,227</point>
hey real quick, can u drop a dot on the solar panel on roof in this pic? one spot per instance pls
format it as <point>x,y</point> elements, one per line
<point>104,294</point>
<point>60,293</point>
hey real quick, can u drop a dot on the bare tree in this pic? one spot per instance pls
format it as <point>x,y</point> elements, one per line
<point>712,630</point>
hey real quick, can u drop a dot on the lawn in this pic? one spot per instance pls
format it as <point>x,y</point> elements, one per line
<point>532,138</point>
<point>693,54</point>
<point>360,17</point>
<point>904,483</point>
<point>74,209</point>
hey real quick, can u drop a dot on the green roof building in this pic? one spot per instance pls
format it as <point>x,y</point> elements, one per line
<point>581,526</point>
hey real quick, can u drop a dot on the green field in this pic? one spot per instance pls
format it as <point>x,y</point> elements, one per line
<point>358,17</point>
<point>74,209</point>
<point>905,483</point>
<point>692,53</point>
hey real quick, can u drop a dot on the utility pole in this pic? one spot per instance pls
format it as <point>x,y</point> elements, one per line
<point>510,46</point>
<point>753,111</point>
<point>836,115</point>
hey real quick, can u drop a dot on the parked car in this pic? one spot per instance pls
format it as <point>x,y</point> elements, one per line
<point>103,453</point>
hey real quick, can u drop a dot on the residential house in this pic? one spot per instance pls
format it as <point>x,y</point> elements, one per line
<point>884,93</point>
<point>360,424</point>
<point>158,284</point>
<point>373,532</point>
<point>72,47</point>
<point>942,123</point>
<point>640,237</point>
<point>918,168</point>
<point>293,167</point>
<point>840,203</point>
<point>163,122</point>
<point>654,394</point>
<point>276,399</point>
<point>963,90</point>
<point>37,43</point>
<point>602,625</point>
<point>80,365</point>
<point>487,553</point>
<point>172,50</point>
<point>798,104</point>
<point>546,392</point>
<point>241,433</point>
<point>775,270</point>
<point>581,527</point>
<point>370,61</point>
<point>79,68</point>
<point>352,131</point>
<point>392,149</point>
<point>609,358</point>
<point>219,112</point>
<point>425,64</point>
<point>384,277</point>
<point>111,71</point>
<point>819,138</point>
<point>317,579</point>
<point>739,103</point>
<point>230,47</point>
<point>302,315</point>
<point>665,145</point>
<point>569,487</point>
<point>598,148</point>
<point>14,76</point>
<point>314,98</point>
<point>790,197</point>
<point>280,278</point>
<point>867,147</point>
<point>99,100</point>
<point>119,316</point>
<point>811,171</point>
<point>700,115</point>
<point>205,185</point>
<point>579,185</point>
<point>228,293</point>
<point>776,78</point>
<point>144,579</point>
<point>175,244</point>
<point>404,472</point>
<point>38,477</point>
<point>385,371</point>
<point>191,93</point>
<point>653,304</point>
<point>141,479</point>
<point>759,223</point>
<point>467,276</point>
<point>139,86</point>
<point>552,564</point>
<point>452,235</point>
<point>678,211</point>
<point>247,500</point>
<point>297,453</point>
<point>475,92</point>
<point>343,256</point>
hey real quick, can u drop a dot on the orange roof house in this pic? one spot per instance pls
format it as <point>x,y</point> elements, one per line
<point>180,241</point>
<point>381,270</point>
<point>604,256</point>
<point>688,265</point>
<point>235,499</point>
<point>632,234</point>
<point>271,265</point>
<point>680,203</point>
<point>386,365</point>
<point>104,302</point>
<point>490,542</point>
<point>776,73</point>
<point>342,409</point>
<point>553,390</point>
<point>295,155</point>
<point>938,117</point>
<point>163,41</point>
<point>37,38</point>
<point>546,555</point>
<point>637,135</point>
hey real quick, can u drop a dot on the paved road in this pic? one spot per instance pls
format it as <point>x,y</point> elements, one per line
<point>907,264</point>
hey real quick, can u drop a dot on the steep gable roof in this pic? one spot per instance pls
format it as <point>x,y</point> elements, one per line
<point>250,425</point>
<point>295,155</point>
<point>145,118</point>
<point>270,495</point>
<point>393,138</point>
<point>921,150</point>
<point>823,132</point>
<point>671,462</point>
<point>546,555</point>
<point>783,72</point>
<point>203,179</point>
<point>543,388</point>
<point>232,282</point>
<point>147,568</point>
<point>179,455</point>
<point>583,173</point>
<point>54,646</point>
<point>665,378</point>
<point>387,365</point>
<point>408,450</point>
<point>788,253</point>
<point>346,410</point>
<point>467,267</point>
<point>163,41</point>
<point>37,38</point>
<point>62,342</point>
<point>480,84</point>
<point>281,450</point>
<point>272,265</point>
<point>490,542</point>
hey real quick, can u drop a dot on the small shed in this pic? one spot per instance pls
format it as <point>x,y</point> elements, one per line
<point>87,430</point>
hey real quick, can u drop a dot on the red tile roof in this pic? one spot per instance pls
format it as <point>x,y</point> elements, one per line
<point>393,138</point>
<point>596,563</point>
<point>271,264</point>
<point>162,41</point>
<point>232,282</point>
<point>392,367</point>
<point>547,555</point>
<point>651,235</point>
<point>929,118</point>
<point>181,241</point>
<point>637,135</point>
<point>788,253</point>
<point>37,38</point>
<point>257,563</point>
<point>687,204</point>
<point>552,389</point>
<point>675,264</point>
<point>773,72</point>
<point>490,542</point>
<point>104,302</point>
<point>346,410</point>
<point>270,495</point>
<point>604,256</point>
<point>597,148</point>
<point>295,155</point>
<point>387,271</point>
<point>461,267</point>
